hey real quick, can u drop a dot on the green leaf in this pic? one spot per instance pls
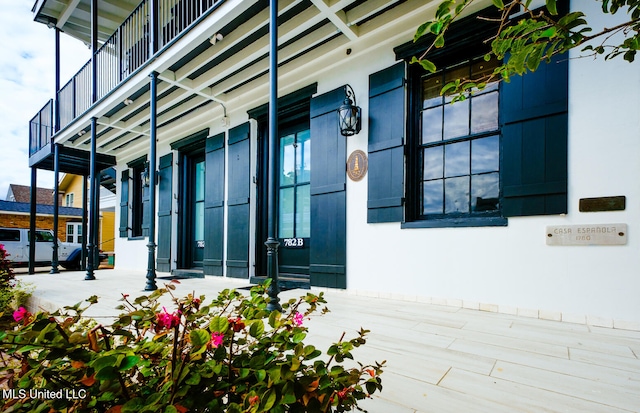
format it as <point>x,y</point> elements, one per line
<point>262,374</point>
<point>274,319</point>
<point>107,373</point>
<point>298,337</point>
<point>550,32</point>
<point>499,4</point>
<point>427,65</point>
<point>199,337</point>
<point>132,406</point>
<point>424,27</point>
<point>257,328</point>
<point>102,362</point>
<point>268,399</point>
<point>219,324</point>
<point>289,393</point>
<point>551,6</point>
<point>128,362</point>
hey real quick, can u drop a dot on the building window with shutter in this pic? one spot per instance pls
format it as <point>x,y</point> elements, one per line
<point>501,152</point>
<point>136,200</point>
<point>459,146</point>
<point>134,197</point>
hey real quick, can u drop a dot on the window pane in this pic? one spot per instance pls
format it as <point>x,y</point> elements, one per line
<point>199,221</point>
<point>481,68</point>
<point>432,197</point>
<point>433,160</point>
<point>485,192</point>
<point>44,236</point>
<point>303,157</point>
<point>456,195</point>
<point>456,159</point>
<point>285,215</point>
<point>431,88</point>
<point>484,113</point>
<point>303,211</point>
<point>199,182</point>
<point>287,153</point>
<point>70,229</point>
<point>460,72</point>
<point>485,155</point>
<point>456,119</point>
<point>432,125</point>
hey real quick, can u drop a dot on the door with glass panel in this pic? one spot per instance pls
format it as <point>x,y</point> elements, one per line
<point>191,245</point>
<point>294,210</point>
<point>197,240</point>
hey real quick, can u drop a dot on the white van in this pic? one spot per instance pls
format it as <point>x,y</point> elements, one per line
<point>16,243</point>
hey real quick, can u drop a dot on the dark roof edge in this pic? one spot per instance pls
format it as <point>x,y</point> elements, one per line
<point>23,207</point>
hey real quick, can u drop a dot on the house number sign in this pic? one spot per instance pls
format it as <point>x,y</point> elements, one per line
<point>600,234</point>
<point>293,242</point>
<point>357,165</point>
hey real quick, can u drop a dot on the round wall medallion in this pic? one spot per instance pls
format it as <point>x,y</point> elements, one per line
<point>357,165</point>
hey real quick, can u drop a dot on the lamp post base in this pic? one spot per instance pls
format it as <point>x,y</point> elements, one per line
<point>272,273</point>
<point>151,268</point>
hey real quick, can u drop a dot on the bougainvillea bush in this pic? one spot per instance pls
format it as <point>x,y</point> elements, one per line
<point>228,355</point>
<point>13,293</point>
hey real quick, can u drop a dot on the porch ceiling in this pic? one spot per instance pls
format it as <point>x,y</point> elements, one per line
<point>73,17</point>
<point>205,79</point>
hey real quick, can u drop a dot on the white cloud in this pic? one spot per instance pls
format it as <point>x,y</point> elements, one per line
<point>27,82</point>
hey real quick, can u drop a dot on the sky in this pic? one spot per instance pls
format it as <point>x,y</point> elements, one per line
<point>27,82</point>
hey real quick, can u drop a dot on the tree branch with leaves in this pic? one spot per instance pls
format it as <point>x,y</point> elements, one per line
<point>524,37</point>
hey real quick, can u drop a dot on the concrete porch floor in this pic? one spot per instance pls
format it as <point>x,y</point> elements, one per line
<point>439,358</point>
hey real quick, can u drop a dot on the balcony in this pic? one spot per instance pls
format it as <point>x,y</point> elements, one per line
<point>152,26</point>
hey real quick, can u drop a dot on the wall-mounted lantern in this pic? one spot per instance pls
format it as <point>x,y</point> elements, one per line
<point>144,175</point>
<point>349,114</point>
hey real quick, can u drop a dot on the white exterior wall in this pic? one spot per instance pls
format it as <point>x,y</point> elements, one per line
<point>511,269</point>
<point>507,269</point>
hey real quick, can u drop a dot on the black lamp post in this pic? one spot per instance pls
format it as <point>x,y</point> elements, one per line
<point>272,243</point>
<point>349,114</point>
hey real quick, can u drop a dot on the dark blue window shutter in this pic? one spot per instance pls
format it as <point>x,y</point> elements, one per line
<point>386,145</point>
<point>124,204</point>
<point>533,111</point>
<point>328,244</point>
<point>214,206</point>
<point>165,204</point>
<point>238,202</point>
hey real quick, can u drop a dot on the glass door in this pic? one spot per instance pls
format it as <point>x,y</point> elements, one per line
<point>197,231</point>
<point>294,206</point>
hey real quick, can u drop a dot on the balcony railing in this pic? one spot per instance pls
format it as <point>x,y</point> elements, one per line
<point>118,57</point>
<point>41,128</point>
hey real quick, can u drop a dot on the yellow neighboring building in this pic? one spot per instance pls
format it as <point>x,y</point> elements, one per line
<point>70,189</point>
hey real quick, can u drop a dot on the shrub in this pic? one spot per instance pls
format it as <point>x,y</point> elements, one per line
<point>230,355</point>
<point>13,293</point>
<point>6,271</point>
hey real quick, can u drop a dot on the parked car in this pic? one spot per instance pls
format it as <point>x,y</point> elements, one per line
<point>16,243</point>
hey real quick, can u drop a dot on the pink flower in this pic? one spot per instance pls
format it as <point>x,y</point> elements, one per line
<point>20,314</point>
<point>298,318</point>
<point>166,320</point>
<point>216,339</point>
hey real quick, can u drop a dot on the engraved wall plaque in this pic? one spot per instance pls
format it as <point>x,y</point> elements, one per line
<point>603,203</point>
<point>598,234</point>
<point>357,165</point>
